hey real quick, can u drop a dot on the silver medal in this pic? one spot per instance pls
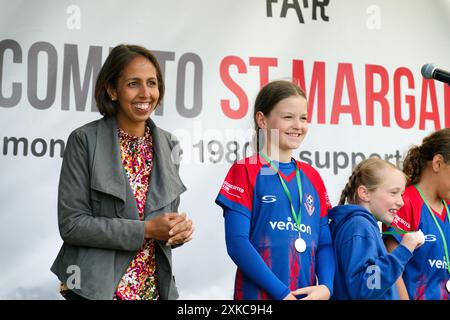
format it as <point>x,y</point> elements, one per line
<point>447,286</point>
<point>300,246</point>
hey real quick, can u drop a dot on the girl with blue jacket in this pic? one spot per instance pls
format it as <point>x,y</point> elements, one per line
<point>364,268</point>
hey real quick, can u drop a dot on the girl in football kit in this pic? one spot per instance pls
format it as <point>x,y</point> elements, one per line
<point>364,268</point>
<point>275,207</point>
<point>427,198</point>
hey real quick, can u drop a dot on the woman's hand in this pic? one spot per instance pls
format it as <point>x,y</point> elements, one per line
<point>181,232</point>
<point>172,227</point>
<point>320,292</point>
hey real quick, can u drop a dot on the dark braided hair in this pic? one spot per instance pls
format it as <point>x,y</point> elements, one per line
<point>418,157</point>
<point>366,173</point>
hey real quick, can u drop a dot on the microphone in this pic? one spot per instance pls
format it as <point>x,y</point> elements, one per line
<point>429,71</point>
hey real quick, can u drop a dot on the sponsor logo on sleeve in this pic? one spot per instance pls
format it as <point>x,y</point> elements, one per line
<point>232,189</point>
<point>399,222</point>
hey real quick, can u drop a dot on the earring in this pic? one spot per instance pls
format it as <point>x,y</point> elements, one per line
<point>113,98</point>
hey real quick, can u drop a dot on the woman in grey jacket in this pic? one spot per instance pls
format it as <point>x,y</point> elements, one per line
<point>119,190</point>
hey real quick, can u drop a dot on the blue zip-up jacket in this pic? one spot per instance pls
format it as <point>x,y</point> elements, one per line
<point>364,268</point>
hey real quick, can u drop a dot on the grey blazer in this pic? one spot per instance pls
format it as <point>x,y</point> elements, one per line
<point>97,214</point>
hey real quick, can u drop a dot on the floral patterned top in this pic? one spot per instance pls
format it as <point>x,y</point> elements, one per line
<point>139,281</point>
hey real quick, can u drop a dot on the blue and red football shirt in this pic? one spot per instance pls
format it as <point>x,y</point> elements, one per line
<point>253,189</point>
<point>426,274</point>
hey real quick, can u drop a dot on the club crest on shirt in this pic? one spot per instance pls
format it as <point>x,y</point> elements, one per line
<point>309,204</point>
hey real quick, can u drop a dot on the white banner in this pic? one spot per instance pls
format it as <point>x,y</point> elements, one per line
<point>358,60</point>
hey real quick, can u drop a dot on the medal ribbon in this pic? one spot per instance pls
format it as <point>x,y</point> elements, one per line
<point>437,223</point>
<point>297,218</point>
<point>396,230</point>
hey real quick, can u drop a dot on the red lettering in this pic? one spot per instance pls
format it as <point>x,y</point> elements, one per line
<point>410,101</point>
<point>428,86</point>
<point>378,102</point>
<point>242,109</point>
<point>317,87</point>
<point>380,96</point>
<point>264,64</point>
<point>345,74</point>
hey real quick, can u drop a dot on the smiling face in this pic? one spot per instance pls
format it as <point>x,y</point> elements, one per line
<point>286,125</point>
<point>137,94</point>
<point>385,200</point>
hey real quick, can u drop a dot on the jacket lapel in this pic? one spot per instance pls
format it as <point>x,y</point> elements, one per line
<point>165,183</point>
<point>108,175</point>
<point>107,171</point>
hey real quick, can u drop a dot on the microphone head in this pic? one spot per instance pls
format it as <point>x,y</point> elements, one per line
<point>427,70</point>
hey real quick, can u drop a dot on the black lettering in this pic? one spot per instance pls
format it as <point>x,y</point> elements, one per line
<point>327,160</point>
<point>357,154</point>
<point>71,70</point>
<point>397,157</point>
<point>305,156</point>
<point>38,147</point>
<point>162,57</point>
<point>15,142</point>
<point>61,144</point>
<point>33,71</point>
<point>181,85</point>
<point>14,99</point>
<point>293,5</point>
<point>320,4</point>
<point>269,7</point>
<point>336,164</point>
<point>33,147</point>
<point>388,156</point>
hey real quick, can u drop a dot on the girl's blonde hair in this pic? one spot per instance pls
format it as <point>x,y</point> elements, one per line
<point>367,173</point>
